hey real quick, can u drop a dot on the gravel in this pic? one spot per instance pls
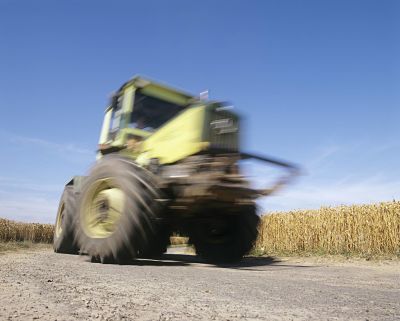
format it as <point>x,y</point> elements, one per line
<point>39,284</point>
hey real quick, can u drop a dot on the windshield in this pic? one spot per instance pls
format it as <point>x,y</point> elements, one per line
<point>150,113</point>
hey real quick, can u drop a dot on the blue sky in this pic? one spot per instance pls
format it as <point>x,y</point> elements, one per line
<point>316,81</point>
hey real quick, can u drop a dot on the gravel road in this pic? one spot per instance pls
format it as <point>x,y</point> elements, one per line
<point>39,284</point>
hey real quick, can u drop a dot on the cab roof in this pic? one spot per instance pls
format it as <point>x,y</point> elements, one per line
<point>153,88</point>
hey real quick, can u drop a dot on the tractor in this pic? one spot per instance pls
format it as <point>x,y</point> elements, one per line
<point>167,162</point>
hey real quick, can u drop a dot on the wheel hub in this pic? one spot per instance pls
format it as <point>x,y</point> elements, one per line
<point>102,209</point>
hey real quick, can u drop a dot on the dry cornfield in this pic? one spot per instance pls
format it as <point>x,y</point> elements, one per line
<point>367,230</point>
<point>359,229</point>
<point>34,232</point>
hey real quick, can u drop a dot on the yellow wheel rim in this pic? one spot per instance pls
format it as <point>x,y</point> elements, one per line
<point>101,208</point>
<point>60,217</point>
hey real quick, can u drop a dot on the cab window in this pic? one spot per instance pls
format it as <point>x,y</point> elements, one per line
<point>150,113</point>
<point>116,118</point>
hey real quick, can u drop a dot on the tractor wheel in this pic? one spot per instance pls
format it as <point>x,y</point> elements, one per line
<point>64,241</point>
<point>118,211</point>
<point>226,238</point>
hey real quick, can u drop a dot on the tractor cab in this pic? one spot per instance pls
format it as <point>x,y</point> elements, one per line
<point>137,110</point>
<point>150,121</point>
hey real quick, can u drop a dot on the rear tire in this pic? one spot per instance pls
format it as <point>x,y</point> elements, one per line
<point>226,238</point>
<point>118,210</point>
<point>64,238</point>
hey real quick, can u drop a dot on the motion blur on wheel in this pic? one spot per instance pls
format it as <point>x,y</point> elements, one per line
<point>167,162</point>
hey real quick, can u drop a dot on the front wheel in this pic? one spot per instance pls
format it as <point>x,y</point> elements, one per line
<point>118,211</point>
<point>225,238</point>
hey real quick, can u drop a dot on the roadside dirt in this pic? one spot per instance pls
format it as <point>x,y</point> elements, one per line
<point>38,284</point>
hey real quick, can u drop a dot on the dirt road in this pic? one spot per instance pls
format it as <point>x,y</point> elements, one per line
<point>46,286</point>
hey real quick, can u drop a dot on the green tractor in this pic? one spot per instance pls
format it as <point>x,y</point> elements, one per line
<point>168,162</point>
